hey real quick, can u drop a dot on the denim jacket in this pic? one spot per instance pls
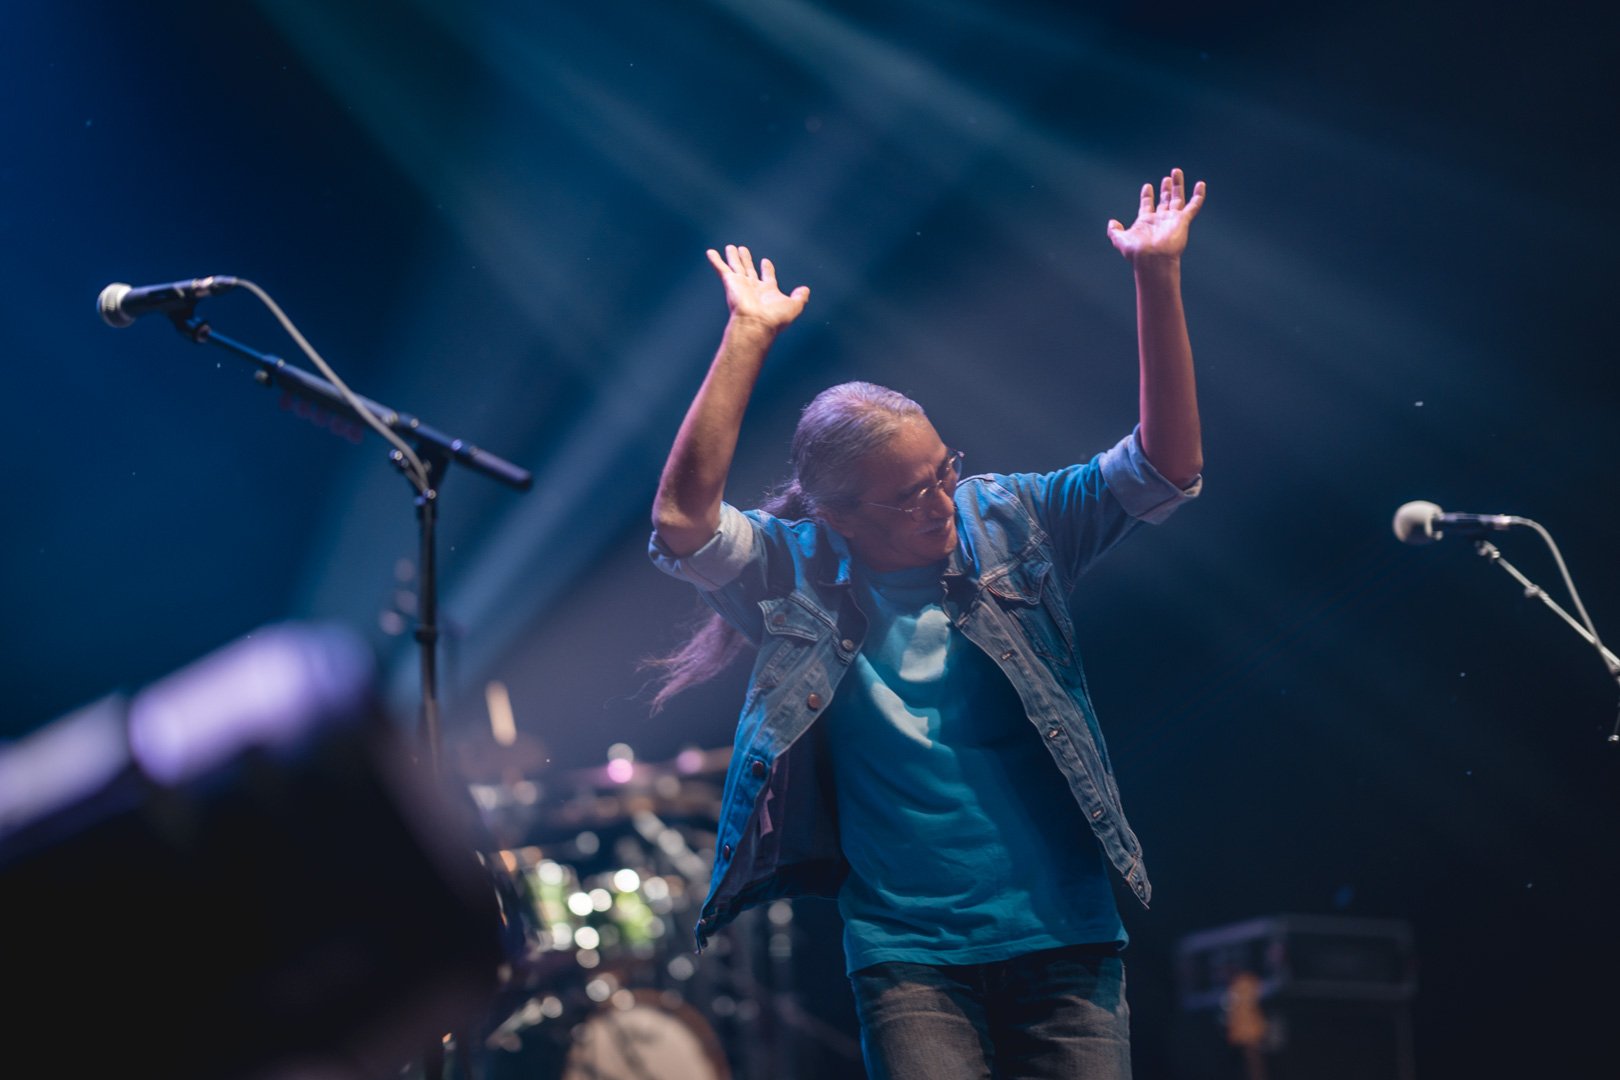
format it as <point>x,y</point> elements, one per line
<point>1023,542</point>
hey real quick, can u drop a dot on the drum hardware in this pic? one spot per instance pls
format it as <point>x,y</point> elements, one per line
<point>689,863</point>
<point>607,1031</point>
<point>589,910</point>
<point>599,897</point>
<point>614,915</point>
<point>553,810</point>
<point>645,1034</point>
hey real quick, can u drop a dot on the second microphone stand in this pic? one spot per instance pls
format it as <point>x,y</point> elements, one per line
<point>1532,591</point>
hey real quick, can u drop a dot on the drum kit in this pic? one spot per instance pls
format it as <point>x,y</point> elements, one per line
<point>599,874</point>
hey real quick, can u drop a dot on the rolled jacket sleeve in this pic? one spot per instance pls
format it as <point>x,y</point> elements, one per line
<point>719,561</point>
<point>1139,487</point>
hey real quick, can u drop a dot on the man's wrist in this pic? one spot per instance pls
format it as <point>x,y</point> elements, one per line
<point>1157,271</point>
<point>752,329</point>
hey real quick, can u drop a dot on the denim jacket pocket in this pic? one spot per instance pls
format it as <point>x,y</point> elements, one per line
<point>1029,593</point>
<point>793,627</point>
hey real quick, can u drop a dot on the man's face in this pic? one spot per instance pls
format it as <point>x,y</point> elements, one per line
<point>885,538</point>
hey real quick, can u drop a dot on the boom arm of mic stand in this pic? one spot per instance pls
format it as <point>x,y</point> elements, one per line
<point>438,450</point>
<point>273,370</point>
<point>1531,590</point>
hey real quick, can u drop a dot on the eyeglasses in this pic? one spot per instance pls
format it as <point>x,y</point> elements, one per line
<point>949,473</point>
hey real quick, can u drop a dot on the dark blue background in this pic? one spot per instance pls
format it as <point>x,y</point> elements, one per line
<point>493,215</point>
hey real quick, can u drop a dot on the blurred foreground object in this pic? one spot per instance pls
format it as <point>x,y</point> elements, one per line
<point>239,871</point>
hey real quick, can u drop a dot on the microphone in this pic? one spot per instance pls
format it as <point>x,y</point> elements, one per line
<point>121,305</point>
<point>1421,522</point>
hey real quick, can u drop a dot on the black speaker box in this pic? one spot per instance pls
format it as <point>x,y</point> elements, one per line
<point>1296,997</point>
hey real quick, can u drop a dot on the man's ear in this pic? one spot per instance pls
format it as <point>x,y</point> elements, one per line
<point>839,521</point>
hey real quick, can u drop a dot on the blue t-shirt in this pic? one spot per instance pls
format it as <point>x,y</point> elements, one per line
<point>964,841</point>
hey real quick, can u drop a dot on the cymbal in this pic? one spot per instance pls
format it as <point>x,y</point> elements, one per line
<point>691,764</point>
<point>603,811</point>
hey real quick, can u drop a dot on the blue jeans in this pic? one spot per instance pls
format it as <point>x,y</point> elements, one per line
<point>1055,1013</point>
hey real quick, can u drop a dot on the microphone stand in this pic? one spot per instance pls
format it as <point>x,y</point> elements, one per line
<point>436,451</point>
<point>427,620</point>
<point>1532,591</point>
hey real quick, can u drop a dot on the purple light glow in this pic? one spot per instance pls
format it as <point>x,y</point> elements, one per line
<point>268,689</point>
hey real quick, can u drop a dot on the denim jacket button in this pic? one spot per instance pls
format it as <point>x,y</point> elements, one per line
<point>778,619</point>
<point>848,645</point>
<point>1054,733</point>
<point>814,701</point>
<point>757,768</point>
<point>725,851</point>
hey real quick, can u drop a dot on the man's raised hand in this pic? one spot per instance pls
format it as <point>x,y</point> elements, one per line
<point>754,296</point>
<point>1160,230</point>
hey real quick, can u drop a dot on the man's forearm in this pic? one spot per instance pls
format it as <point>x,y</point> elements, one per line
<point>1172,437</point>
<point>686,511</point>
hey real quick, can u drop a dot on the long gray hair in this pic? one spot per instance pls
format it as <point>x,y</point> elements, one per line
<point>841,426</point>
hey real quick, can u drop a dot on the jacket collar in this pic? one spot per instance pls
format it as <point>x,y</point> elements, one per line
<point>957,564</point>
<point>844,569</point>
